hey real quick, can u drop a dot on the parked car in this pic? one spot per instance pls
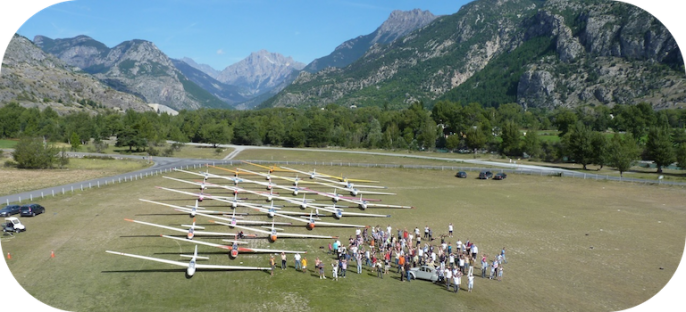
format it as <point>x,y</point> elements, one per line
<point>424,272</point>
<point>461,174</point>
<point>485,175</point>
<point>31,210</point>
<point>13,225</point>
<point>500,176</point>
<point>10,210</point>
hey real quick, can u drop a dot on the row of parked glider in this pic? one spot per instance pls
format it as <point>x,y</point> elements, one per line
<point>309,213</point>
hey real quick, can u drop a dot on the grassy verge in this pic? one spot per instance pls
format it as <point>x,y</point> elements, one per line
<point>78,170</point>
<point>8,143</point>
<point>548,226</point>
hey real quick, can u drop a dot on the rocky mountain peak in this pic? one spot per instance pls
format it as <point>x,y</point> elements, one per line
<point>401,23</point>
<point>261,71</point>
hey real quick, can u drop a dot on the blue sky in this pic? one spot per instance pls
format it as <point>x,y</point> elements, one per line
<point>220,33</point>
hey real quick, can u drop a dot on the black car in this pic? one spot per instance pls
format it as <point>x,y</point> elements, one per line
<point>10,210</point>
<point>31,210</point>
<point>485,175</point>
<point>500,176</point>
<point>461,174</point>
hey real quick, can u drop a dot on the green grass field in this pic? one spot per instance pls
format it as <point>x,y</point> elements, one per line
<point>547,224</point>
<point>8,143</point>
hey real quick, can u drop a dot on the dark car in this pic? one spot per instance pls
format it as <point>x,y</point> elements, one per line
<point>461,174</point>
<point>485,175</point>
<point>500,176</point>
<point>31,210</point>
<point>10,210</point>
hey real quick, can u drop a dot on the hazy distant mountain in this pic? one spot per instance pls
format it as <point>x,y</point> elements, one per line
<point>136,66</point>
<point>398,24</point>
<point>33,77</point>
<point>207,69</point>
<point>260,72</point>
<point>231,95</point>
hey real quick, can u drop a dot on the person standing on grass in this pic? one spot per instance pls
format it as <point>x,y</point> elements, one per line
<point>470,271</point>
<point>426,231</point>
<point>379,269</point>
<point>407,270</point>
<point>451,261</point>
<point>500,273</point>
<point>450,229</point>
<point>334,271</point>
<point>458,244</point>
<point>344,266</point>
<point>461,263</point>
<point>283,260</point>
<point>448,279</point>
<point>502,255</point>
<point>304,265</point>
<point>484,266</point>
<point>470,283</point>
<point>494,268</point>
<point>298,262</point>
<point>458,281</point>
<point>401,264</point>
<point>431,235</point>
<point>475,251</point>
<point>358,260</point>
<point>272,263</point>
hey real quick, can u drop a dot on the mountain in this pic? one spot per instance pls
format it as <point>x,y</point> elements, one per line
<point>398,24</point>
<point>33,77</point>
<point>207,69</point>
<point>260,72</point>
<point>231,95</point>
<point>532,52</point>
<point>137,67</point>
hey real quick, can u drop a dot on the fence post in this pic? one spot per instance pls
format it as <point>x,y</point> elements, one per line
<point>20,199</point>
<point>72,189</point>
<point>41,195</point>
<point>62,191</point>
<point>81,187</point>
<point>89,185</point>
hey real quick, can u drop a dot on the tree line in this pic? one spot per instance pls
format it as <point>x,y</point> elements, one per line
<point>587,135</point>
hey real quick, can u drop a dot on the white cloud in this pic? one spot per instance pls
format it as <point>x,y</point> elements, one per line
<point>220,51</point>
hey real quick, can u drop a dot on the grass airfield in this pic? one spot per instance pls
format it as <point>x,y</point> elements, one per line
<point>548,226</point>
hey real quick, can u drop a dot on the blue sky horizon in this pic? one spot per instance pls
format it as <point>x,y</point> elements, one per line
<point>221,33</point>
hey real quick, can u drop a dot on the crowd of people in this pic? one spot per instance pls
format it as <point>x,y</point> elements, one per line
<point>381,250</point>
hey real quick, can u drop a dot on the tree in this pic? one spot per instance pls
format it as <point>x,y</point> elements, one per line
<point>681,156</point>
<point>532,144</point>
<point>475,138</point>
<point>578,144</point>
<point>511,144</point>
<point>659,148</point>
<point>62,158</point>
<point>130,137</point>
<point>564,120</point>
<point>216,133</point>
<point>75,141</point>
<point>32,153</point>
<point>598,149</point>
<point>374,135</point>
<point>622,152</point>
<point>452,142</point>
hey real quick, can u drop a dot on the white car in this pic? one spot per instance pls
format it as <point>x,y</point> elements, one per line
<point>424,272</point>
<point>13,224</point>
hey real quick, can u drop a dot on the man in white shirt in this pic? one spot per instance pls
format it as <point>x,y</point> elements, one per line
<point>297,262</point>
<point>475,252</point>
<point>448,279</point>
<point>450,230</point>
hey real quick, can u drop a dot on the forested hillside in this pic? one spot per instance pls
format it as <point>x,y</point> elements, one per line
<point>535,53</point>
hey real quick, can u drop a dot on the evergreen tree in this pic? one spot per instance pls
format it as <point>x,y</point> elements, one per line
<point>659,148</point>
<point>511,144</point>
<point>622,152</point>
<point>681,156</point>
<point>578,144</point>
<point>75,141</point>
<point>532,144</point>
